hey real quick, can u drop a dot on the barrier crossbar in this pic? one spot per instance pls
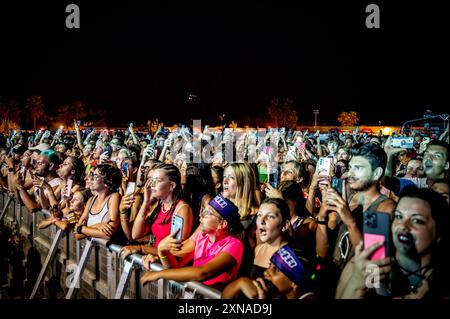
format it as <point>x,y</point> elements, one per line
<point>163,289</point>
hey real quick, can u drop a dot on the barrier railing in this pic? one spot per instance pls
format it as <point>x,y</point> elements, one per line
<point>115,271</point>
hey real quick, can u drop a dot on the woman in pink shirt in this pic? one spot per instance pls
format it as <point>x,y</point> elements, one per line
<point>216,250</point>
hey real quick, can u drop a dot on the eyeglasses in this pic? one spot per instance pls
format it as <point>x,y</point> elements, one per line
<point>287,171</point>
<point>95,177</point>
<point>204,212</point>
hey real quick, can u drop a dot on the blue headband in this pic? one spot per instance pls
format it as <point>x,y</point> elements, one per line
<point>225,208</point>
<point>289,264</point>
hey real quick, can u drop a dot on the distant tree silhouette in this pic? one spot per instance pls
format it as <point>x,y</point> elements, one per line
<point>35,108</point>
<point>283,113</point>
<point>348,118</point>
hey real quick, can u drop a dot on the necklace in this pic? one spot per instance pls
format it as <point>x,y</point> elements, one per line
<point>165,211</point>
<point>417,274</point>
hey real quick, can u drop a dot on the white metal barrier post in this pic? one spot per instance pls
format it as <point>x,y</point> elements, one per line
<point>79,270</point>
<point>49,258</point>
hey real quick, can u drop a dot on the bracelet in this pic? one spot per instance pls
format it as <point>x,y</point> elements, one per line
<point>162,257</point>
<point>322,222</point>
<point>79,229</point>
<point>11,169</point>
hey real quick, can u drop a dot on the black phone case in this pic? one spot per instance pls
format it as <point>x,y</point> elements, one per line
<point>378,223</point>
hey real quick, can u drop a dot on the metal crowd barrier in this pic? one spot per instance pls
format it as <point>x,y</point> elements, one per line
<point>95,264</point>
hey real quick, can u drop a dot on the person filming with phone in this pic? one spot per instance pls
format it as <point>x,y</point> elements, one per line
<point>418,266</point>
<point>335,241</point>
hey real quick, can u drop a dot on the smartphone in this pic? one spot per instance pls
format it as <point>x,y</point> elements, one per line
<point>262,174</point>
<point>69,187</point>
<point>324,166</point>
<point>376,228</point>
<point>125,168</point>
<point>108,150</point>
<point>272,178</point>
<point>403,142</point>
<point>336,184</point>
<point>22,173</point>
<point>177,223</point>
<point>131,186</point>
<point>301,147</point>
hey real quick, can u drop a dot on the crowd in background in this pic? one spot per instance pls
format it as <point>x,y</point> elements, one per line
<point>278,215</point>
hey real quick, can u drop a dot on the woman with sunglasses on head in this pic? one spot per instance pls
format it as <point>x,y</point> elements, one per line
<point>162,200</point>
<point>215,249</point>
<point>100,218</point>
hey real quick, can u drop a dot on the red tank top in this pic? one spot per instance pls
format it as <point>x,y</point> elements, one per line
<point>160,230</point>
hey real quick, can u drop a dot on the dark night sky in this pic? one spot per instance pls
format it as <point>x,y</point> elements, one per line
<point>142,61</point>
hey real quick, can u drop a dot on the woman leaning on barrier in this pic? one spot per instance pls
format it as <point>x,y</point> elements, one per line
<point>216,249</point>
<point>100,218</point>
<point>68,219</point>
<point>162,200</point>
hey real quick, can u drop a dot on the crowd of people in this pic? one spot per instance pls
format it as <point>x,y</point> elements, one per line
<point>279,216</point>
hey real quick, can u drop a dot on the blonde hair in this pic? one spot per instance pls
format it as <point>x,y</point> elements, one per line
<point>246,199</point>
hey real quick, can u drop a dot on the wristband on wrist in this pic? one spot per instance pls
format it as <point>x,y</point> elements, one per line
<point>79,229</point>
<point>322,222</point>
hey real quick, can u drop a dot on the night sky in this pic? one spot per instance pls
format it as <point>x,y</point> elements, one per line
<point>142,61</point>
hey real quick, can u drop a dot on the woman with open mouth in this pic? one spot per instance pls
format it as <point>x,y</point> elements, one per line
<point>418,268</point>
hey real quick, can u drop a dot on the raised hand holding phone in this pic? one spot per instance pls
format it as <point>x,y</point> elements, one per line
<point>131,187</point>
<point>177,226</point>
<point>377,229</point>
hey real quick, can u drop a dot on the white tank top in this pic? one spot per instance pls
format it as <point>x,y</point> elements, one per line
<point>102,216</point>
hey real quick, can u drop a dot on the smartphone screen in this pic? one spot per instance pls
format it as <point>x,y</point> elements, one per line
<point>324,166</point>
<point>69,187</point>
<point>125,168</point>
<point>131,186</point>
<point>177,223</point>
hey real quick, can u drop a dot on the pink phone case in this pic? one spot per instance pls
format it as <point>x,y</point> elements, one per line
<point>369,240</point>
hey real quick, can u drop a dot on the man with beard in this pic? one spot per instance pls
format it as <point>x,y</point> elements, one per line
<point>46,166</point>
<point>337,238</point>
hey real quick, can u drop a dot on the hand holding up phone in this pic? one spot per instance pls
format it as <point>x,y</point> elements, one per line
<point>363,261</point>
<point>170,242</point>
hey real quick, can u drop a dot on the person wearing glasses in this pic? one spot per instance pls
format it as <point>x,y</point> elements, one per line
<point>216,249</point>
<point>162,200</point>
<point>100,218</point>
